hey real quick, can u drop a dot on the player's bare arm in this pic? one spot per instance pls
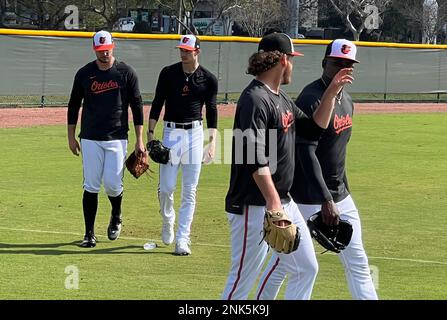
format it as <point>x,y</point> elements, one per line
<point>210,151</point>
<point>139,144</point>
<point>73,144</point>
<point>151,129</point>
<point>263,179</point>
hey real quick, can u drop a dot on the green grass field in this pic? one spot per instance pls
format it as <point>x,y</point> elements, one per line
<point>398,174</point>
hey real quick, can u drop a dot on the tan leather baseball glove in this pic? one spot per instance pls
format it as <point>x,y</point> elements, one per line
<point>279,231</point>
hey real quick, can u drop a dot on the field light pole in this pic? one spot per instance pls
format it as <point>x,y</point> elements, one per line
<point>294,6</point>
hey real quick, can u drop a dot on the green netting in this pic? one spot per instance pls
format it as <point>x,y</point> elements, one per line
<point>36,66</point>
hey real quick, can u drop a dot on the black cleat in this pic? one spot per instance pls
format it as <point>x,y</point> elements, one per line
<point>89,241</point>
<point>114,229</point>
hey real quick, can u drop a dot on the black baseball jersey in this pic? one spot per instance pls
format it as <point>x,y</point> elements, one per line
<point>320,174</point>
<point>106,96</point>
<point>185,94</point>
<point>264,131</point>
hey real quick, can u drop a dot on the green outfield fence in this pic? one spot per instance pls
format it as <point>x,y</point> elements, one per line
<point>38,66</point>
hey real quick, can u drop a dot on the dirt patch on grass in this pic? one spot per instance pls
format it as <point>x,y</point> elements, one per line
<point>28,117</point>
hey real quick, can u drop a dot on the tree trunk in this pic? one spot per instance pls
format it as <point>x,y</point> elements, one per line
<point>2,13</point>
<point>355,33</point>
<point>110,24</point>
<point>180,16</point>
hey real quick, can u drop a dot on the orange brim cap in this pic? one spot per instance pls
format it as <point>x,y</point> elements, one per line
<point>185,47</point>
<point>104,47</point>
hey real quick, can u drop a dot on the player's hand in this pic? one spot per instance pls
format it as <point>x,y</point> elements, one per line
<point>209,153</point>
<point>139,147</point>
<point>342,78</point>
<point>150,136</point>
<point>329,213</point>
<point>73,144</point>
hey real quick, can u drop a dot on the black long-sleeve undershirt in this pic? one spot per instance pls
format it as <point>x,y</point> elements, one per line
<point>184,95</point>
<point>105,97</point>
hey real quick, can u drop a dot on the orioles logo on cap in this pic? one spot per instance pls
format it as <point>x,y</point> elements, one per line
<point>345,49</point>
<point>102,40</point>
<point>185,40</point>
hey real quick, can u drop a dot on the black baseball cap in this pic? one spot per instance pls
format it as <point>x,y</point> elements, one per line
<point>278,41</point>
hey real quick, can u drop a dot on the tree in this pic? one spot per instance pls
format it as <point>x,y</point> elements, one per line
<point>188,9</point>
<point>396,27</point>
<point>43,14</point>
<point>182,11</point>
<point>224,11</point>
<point>359,15</point>
<point>429,21</point>
<point>2,13</point>
<point>257,16</point>
<point>308,11</point>
<point>109,10</point>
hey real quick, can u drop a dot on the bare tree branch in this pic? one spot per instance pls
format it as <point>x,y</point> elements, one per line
<point>350,9</point>
<point>256,16</point>
<point>224,12</point>
<point>433,19</point>
<point>339,11</point>
<point>428,22</point>
<point>42,14</point>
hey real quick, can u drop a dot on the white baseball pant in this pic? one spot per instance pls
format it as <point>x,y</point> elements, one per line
<point>103,160</point>
<point>353,258</point>
<point>186,152</point>
<point>248,252</point>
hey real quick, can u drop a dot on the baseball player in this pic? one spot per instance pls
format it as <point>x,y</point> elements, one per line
<point>183,88</point>
<point>320,181</point>
<point>105,87</point>
<point>263,161</point>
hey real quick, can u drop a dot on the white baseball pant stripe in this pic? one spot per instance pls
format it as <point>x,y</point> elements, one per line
<point>353,258</point>
<point>266,279</point>
<point>186,153</point>
<point>103,160</point>
<point>248,251</point>
<point>300,265</point>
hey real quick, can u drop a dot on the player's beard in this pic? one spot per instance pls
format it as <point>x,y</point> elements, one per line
<point>104,59</point>
<point>287,76</point>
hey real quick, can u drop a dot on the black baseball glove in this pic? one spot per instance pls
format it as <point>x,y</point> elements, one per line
<point>333,238</point>
<point>158,152</point>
